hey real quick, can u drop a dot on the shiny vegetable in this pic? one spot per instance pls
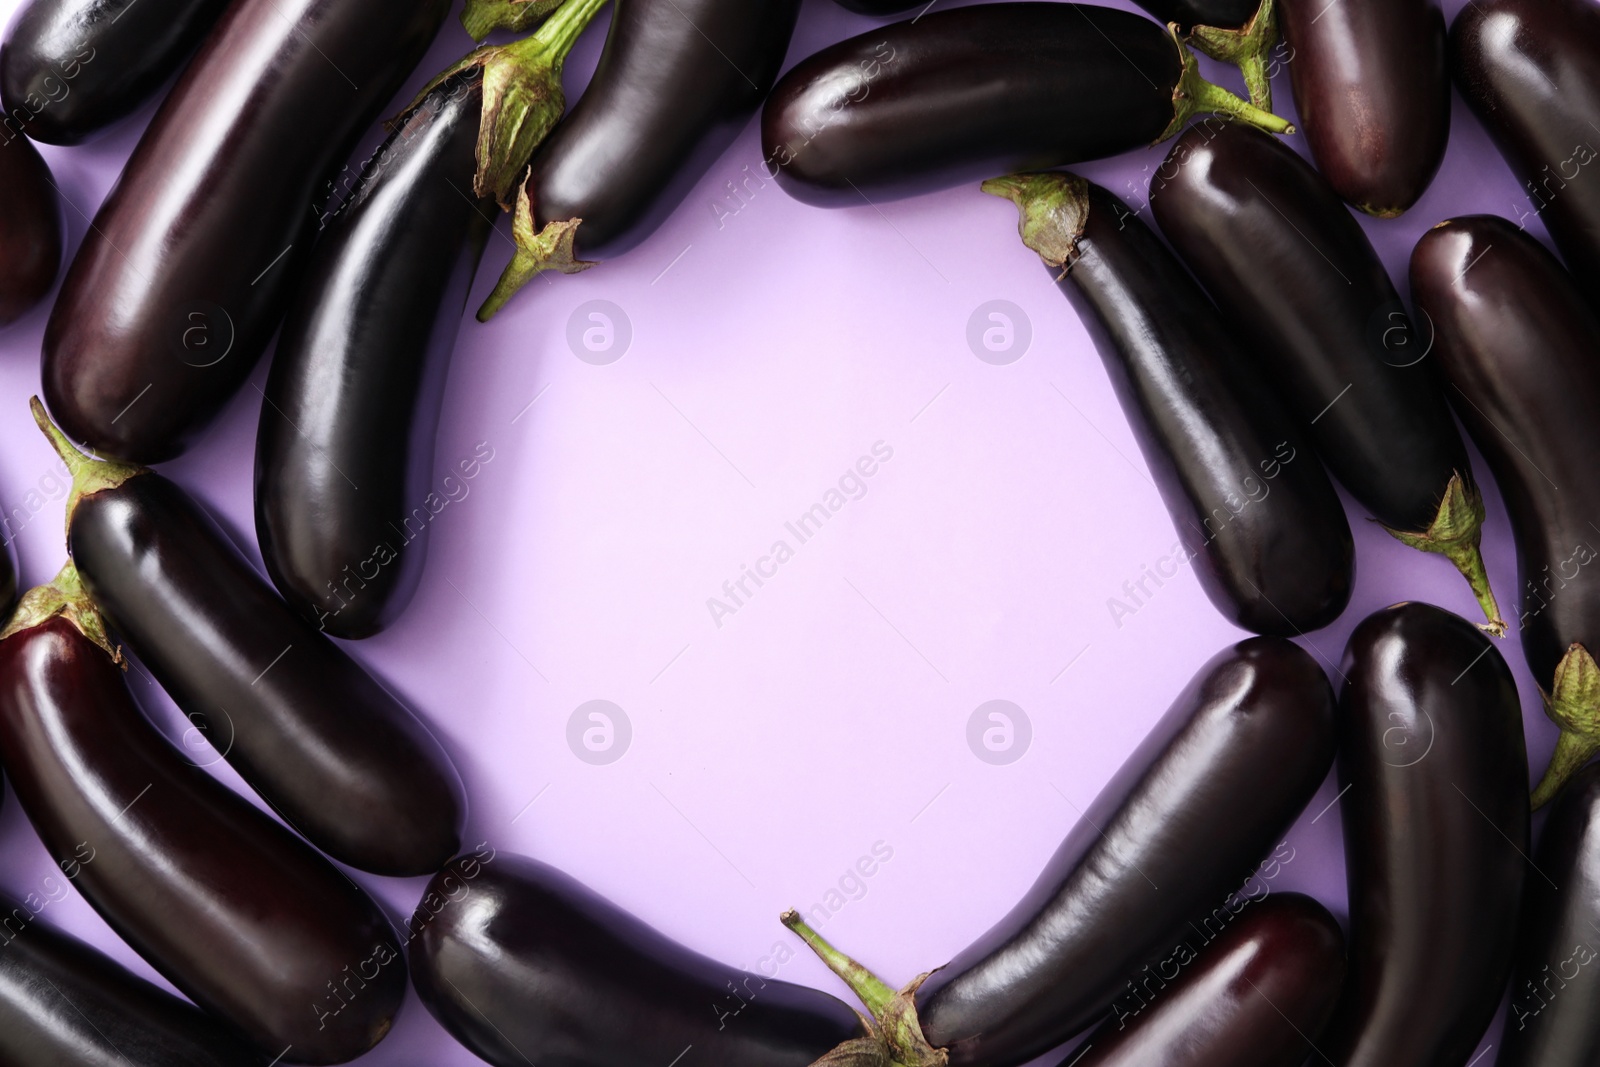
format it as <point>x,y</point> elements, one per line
<point>30,228</point>
<point>323,742</point>
<point>1255,512</point>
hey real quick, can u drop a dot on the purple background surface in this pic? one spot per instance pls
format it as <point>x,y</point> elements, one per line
<point>772,345</point>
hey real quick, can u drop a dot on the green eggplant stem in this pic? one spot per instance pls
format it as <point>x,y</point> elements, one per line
<point>66,597</point>
<point>1573,704</point>
<point>1456,533</point>
<point>1196,96</point>
<point>89,475</point>
<point>1249,48</point>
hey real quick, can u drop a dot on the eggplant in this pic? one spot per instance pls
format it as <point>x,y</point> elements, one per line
<point>523,964</point>
<point>318,738</point>
<point>344,455</point>
<point>1284,261</point>
<point>1435,779</point>
<point>65,1004</point>
<point>30,228</point>
<point>960,95</point>
<point>1255,996</point>
<point>1372,87</point>
<point>676,83</point>
<point>181,279</point>
<point>1202,799</point>
<point>1554,982</point>
<point>1254,510</point>
<point>238,913</point>
<point>52,86</point>
<point>1530,69</point>
<point>1517,341</point>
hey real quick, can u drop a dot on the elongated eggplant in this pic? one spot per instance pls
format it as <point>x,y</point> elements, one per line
<point>1435,810</point>
<point>1257,996</point>
<point>65,1004</point>
<point>523,964</point>
<point>1201,800</point>
<point>1294,271</point>
<point>958,95</point>
<point>70,68</point>
<point>1373,91</point>
<point>238,913</point>
<point>676,83</point>
<point>1556,982</point>
<point>327,746</point>
<point>344,456</point>
<point>187,267</point>
<point>30,228</point>
<point>1254,510</point>
<point>1518,341</point>
<point>1531,71</point>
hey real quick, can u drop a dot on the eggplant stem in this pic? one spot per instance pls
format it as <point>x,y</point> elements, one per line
<point>1457,534</point>
<point>1573,704</point>
<point>482,17</point>
<point>66,597</point>
<point>537,251</point>
<point>1054,209</point>
<point>1247,48</point>
<point>1194,96</point>
<point>871,990</point>
<point>89,475</point>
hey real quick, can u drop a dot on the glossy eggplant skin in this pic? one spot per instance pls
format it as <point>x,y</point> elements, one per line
<point>1530,69</point>
<point>1555,983</point>
<point>1203,798</point>
<point>1517,342</point>
<point>960,95</point>
<point>1253,507</point>
<point>322,741</point>
<point>344,455</point>
<point>1372,87</point>
<point>30,227</point>
<point>181,280</point>
<point>238,913</point>
<point>1435,829</point>
<point>65,1004</point>
<point>1255,996</point>
<point>676,83</point>
<point>522,963</point>
<point>1295,273</point>
<point>70,68</point>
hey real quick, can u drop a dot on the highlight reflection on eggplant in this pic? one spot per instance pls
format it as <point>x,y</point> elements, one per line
<point>30,228</point>
<point>1517,341</point>
<point>322,741</point>
<point>1296,275</point>
<point>238,913</point>
<point>1254,509</point>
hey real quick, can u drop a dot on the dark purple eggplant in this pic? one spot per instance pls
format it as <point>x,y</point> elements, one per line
<point>1530,69</point>
<point>65,1004</point>
<point>1373,91</point>
<point>1518,343</point>
<point>1256,996</point>
<point>1435,810</point>
<point>344,456</point>
<point>676,83</point>
<point>959,95</point>
<point>1297,276</point>
<point>70,68</point>
<point>238,913</point>
<point>1555,982</point>
<point>322,741</point>
<point>523,964</point>
<point>180,282</point>
<point>1201,800</point>
<point>30,228</point>
<point>1255,511</point>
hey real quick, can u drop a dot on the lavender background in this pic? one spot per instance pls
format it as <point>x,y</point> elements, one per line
<point>772,345</point>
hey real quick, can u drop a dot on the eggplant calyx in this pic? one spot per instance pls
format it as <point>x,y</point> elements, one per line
<point>66,597</point>
<point>1457,534</point>
<point>894,1027</point>
<point>89,475</point>
<point>1193,96</point>
<point>537,251</point>
<point>1573,704</point>
<point>480,18</point>
<point>1054,209</point>
<point>522,96</point>
<point>1247,48</point>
